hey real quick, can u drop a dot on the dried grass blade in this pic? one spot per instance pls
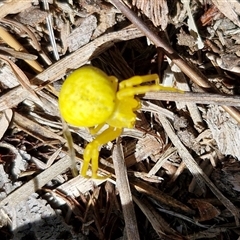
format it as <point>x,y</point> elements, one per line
<point>12,42</point>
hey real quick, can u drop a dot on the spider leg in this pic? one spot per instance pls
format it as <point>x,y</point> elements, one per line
<point>131,86</point>
<point>91,152</point>
<point>71,150</point>
<point>131,91</point>
<point>136,80</point>
<point>94,130</point>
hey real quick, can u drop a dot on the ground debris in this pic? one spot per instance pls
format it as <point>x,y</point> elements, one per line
<point>180,163</point>
<point>36,219</point>
<point>225,131</point>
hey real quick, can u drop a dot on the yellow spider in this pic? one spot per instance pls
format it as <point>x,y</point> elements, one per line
<point>90,98</point>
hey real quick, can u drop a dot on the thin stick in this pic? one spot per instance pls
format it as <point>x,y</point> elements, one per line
<point>20,55</point>
<point>195,76</point>
<point>125,193</point>
<point>192,97</point>
<point>50,29</point>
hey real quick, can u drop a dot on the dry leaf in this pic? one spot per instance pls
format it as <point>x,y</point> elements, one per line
<point>227,178</point>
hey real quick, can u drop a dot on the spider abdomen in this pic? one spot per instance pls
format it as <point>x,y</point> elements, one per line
<point>87,97</point>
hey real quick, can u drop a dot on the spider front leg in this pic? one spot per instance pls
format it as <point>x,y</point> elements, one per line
<point>136,80</point>
<point>91,152</point>
<point>131,86</point>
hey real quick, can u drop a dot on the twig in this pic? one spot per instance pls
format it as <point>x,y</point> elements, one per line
<point>50,29</point>
<point>195,76</point>
<point>40,132</point>
<point>20,55</point>
<point>192,97</point>
<point>125,193</point>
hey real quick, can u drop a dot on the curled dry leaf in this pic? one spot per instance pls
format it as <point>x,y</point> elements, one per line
<point>227,178</point>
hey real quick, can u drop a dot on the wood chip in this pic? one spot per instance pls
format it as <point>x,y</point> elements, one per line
<point>231,9</point>
<point>5,119</point>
